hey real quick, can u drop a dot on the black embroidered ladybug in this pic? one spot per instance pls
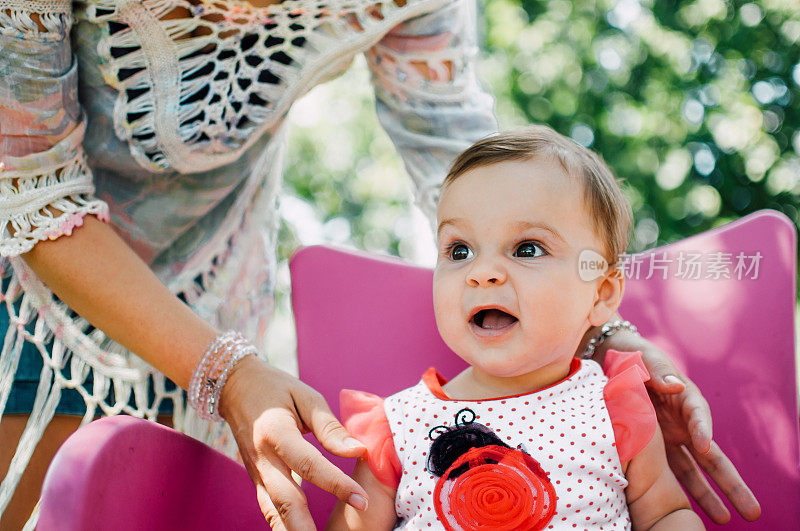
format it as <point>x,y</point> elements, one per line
<point>484,483</point>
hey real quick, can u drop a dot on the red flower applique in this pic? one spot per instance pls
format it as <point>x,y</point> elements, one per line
<point>485,484</point>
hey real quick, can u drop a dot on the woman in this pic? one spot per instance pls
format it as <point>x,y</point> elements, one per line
<point>168,124</point>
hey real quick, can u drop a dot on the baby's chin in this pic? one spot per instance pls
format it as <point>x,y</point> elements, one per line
<point>500,364</point>
<point>503,366</point>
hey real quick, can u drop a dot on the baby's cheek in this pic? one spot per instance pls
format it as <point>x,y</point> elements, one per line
<point>447,329</point>
<point>445,302</point>
<point>565,299</point>
<point>554,323</point>
<point>441,313</point>
<point>454,334</point>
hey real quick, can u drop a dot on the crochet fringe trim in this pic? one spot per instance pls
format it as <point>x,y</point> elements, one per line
<point>16,19</point>
<point>25,218</point>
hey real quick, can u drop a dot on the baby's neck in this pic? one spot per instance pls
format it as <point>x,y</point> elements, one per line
<point>475,384</point>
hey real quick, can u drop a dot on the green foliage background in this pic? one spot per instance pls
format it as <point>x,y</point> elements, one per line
<point>693,103</point>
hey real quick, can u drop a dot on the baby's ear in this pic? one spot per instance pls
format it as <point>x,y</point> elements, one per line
<point>608,296</point>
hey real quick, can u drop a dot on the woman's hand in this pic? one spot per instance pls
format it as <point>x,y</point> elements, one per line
<point>685,420</point>
<point>268,410</point>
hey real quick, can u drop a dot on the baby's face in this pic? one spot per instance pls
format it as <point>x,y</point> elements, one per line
<point>507,293</point>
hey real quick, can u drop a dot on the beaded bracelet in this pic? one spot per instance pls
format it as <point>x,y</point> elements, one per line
<point>213,369</point>
<point>606,330</point>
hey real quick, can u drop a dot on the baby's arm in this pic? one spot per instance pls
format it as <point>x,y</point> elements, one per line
<point>655,499</point>
<point>380,512</point>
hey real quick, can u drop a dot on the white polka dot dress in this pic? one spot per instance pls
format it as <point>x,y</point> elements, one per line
<point>564,429</point>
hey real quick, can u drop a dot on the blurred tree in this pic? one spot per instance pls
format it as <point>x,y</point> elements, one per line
<point>693,104</point>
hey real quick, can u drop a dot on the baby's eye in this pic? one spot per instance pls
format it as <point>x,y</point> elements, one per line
<point>529,250</point>
<point>459,251</point>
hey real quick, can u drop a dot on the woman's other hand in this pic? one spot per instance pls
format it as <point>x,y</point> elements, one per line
<point>685,420</point>
<point>268,410</point>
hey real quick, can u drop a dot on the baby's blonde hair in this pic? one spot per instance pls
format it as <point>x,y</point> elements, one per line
<point>608,207</point>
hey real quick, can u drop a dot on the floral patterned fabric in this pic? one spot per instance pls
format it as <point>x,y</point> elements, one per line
<point>171,128</point>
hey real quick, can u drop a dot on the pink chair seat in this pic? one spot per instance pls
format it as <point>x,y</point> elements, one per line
<point>366,322</point>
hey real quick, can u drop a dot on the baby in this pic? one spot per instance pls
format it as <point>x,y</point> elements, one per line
<point>527,437</point>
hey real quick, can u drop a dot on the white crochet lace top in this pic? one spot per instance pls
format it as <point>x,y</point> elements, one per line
<point>170,127</point>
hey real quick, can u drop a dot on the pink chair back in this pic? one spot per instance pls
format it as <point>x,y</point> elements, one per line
<point>366,322</point>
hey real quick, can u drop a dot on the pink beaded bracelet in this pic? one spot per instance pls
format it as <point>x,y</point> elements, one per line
<point>213,369</point>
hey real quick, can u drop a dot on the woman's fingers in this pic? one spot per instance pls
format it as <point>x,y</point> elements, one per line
<point>664,376</point>
<point>688,473</point>
<point>290,509</point>
<point>724,474</point>
<point>684,463</point>
<point>301,456</point>
<point>317,416</point>
<point>266,409</point>
<point>682,409</point>
<point>282,502</point>
<point>697,414</point>
<point>268,508</point>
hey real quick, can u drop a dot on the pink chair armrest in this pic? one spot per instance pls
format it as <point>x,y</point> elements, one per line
<point>125,473</point>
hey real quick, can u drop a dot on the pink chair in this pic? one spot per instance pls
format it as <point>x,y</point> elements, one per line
<point>129,474</point>
<point>366,322</point>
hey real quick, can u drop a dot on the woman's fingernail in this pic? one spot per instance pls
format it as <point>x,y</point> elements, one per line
<point>352,443</point>
<point>358,501</point>
<point>670,378</point>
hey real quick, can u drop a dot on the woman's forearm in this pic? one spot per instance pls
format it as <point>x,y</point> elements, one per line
<point>100,277</point>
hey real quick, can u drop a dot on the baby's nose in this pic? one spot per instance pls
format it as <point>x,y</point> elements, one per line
<point>488,273</point>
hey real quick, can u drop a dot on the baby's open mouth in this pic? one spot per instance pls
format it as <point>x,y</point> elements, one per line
<point>493,319</point>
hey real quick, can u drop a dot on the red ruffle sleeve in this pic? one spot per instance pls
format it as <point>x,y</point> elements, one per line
<point>363,416</point>
<point>632,415</point>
